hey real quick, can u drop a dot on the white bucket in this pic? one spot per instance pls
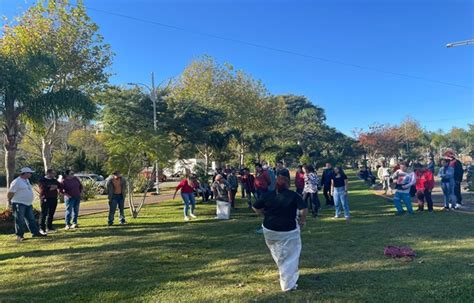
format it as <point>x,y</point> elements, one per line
<point>222,210</point>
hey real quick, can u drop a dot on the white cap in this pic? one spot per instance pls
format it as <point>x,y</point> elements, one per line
<point>25,170</point>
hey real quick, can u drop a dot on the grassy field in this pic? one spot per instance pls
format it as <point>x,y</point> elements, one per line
<point>160,258</point>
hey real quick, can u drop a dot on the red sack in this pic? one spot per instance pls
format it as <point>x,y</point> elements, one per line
<point>399,252</point>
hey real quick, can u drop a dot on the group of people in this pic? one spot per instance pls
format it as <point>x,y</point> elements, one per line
<point>20,195</point>
<point>417,181</point>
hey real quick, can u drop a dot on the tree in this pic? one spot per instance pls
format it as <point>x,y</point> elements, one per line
<point>55,51</point>
<point>129,136</point>
<point>65,34</point>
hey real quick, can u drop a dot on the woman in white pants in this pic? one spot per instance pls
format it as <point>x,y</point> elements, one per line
<point>281,229</point>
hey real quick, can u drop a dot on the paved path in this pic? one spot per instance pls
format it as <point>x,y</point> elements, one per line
<point>95,208</point>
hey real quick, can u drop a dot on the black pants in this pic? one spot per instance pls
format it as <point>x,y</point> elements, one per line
<point>422,195</point>
<point>457,192</point>
<point>48,208</point>
<point>313,202</point>
<point>327,195</point>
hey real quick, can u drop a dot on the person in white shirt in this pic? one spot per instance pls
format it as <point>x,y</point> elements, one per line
<point>20,196</point>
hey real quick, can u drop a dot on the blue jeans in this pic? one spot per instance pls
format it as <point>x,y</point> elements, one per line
<point>72,209</point>
<point>448,194</point>
<point>24,214</point>
<point>188,198</point>
<point>340,199</point>
<point>117,200</point>
<point>405,197</point>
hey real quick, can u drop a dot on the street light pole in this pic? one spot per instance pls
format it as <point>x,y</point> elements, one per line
<point>155,127</point>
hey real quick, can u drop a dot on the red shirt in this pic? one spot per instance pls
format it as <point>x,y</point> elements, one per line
<point>299,180</point>
<point>263,180</point>
<point>185,188</point>
<point>425,180</point>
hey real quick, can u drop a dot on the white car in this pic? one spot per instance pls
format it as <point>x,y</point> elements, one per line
<point>98,179</point>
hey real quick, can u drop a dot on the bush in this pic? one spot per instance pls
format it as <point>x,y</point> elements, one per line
<point>7,220</point>
<point>140,184</point>
<point>90,189</point>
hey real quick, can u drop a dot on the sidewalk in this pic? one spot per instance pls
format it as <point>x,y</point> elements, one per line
<point>86,209</point>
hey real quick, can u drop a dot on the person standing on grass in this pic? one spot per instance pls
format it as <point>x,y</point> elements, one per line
<point>281,170</point>
<point>424,187</point>
<point>187,187</point>
<point>71,187</point>
<point>299,180</point>
<point>49,187</point>
<point>446,173</point>
<point>242,188</point>
<point>383,174</point>
<point>234,184</point>
<point>248,181</point>
<point>262,180</point>
<point>404,180</point>
<point>222,189</point>
<point>271,173</point>
<point>20,196</point>
<point>116,187</point>
<point>458,174</point>
<point>339,189</point>
<point>282,230</point>
<point>326,180</point>
<point>310,190</point>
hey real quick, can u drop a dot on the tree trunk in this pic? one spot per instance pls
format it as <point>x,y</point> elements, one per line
<point>10,141</point>
<point>46,153</point>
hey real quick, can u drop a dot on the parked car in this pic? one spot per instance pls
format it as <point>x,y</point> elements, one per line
<point>98,179</point>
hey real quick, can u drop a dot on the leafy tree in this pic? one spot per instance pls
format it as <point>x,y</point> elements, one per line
<point>129,136</point>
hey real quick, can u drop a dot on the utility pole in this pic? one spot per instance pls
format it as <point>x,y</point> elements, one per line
<point>155,127</point>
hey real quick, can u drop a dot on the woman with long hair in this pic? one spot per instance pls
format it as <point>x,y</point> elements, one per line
<point>188,186</point>
<point>282,230</point>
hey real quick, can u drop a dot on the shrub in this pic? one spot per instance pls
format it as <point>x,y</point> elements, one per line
<point>90,189</point>
<point>140,183</point>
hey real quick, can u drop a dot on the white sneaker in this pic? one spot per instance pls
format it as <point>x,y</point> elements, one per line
<point>186,218</point>
<point>193,216</point>
<point>73,226</point>
<point>67,227</point>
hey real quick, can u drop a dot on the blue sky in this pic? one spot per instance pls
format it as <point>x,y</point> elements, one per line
<point>406,37</point>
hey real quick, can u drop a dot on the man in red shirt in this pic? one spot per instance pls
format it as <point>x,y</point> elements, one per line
<point>424,187</point>
<point>262,180</point>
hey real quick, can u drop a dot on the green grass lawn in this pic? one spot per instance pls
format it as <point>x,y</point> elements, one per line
<point>160,258</point>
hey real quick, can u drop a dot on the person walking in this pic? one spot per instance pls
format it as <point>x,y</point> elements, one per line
<point>326,180</point>
<point>458,174</point>
<point>71,187</point>
<point>299,180</point>
<point>234,184</point>
<point>310,190</point>
<point>282,230</point>
<point>187,187</point>
<point>424,187</point>
<point>404,180</point>
<point>116,187</point>
<point>446,173</point>
<point>20,196</point>
<point>49,188</point>
<point>339,189</point>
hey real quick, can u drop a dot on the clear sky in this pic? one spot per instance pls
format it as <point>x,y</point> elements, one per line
<point>402,37</point>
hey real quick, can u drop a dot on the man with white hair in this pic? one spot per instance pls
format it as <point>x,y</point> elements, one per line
<point>20,196</point>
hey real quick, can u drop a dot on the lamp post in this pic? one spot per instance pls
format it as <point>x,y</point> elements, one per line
<point>155,125</point>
